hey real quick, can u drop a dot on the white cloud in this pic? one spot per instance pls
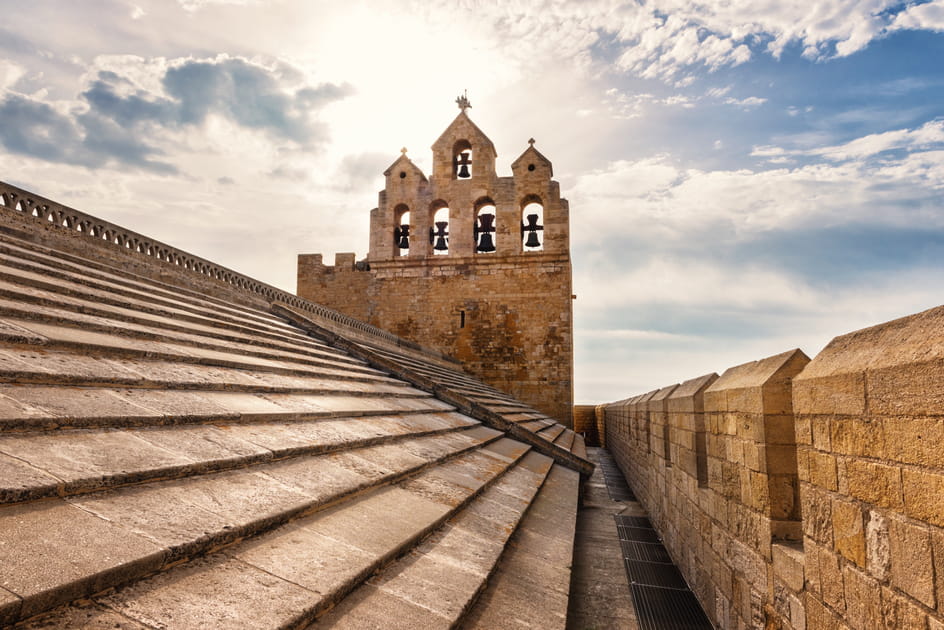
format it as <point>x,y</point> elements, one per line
<point>196,5</point>
<point>746,103</point>
<point>928,16</point>
<point>10,73</point>
<point>656,198</point>
<point>927,135</point>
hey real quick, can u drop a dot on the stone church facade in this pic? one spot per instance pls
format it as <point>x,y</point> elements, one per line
<point>470,263</point>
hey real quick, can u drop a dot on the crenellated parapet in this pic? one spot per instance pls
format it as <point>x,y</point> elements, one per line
<point>797,494</point>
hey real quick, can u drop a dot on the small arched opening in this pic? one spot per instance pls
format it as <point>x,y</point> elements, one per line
<point>462,159</point>
<point>532,224</point>
<point>401,230</point>
<point>486,225</point>
<point>439,232</point>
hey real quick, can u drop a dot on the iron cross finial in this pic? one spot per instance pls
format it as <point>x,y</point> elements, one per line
<point>403,150</point>
<point>463,101</point>
<point>531,141</point>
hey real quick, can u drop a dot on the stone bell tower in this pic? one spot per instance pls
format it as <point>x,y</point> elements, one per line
<point>470,263</point>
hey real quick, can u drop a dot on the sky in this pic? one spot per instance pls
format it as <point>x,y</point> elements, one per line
<point>745,177</point>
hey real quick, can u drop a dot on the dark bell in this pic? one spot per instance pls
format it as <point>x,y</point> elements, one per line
<point>401,235</point>
<point>486,244</point>
<point>532,240</point>
<point>441,234</point>
<point>464,171</point>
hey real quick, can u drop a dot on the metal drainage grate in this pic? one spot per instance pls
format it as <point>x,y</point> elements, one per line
<point>634,521</point>
<point>620,494</point>
<point>637,534</point>
<point>668,609</point>
<point>644,552</point>
<point>654,574</point>
<point>660,595</point>
<point>616,484</point>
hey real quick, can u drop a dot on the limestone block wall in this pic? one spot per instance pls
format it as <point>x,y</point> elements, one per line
<point>870,428</point>
<point>585,423</point>
<point>508,319</point>
<point>817,498</point>
<point>599,414</point>
<point>705,458</point>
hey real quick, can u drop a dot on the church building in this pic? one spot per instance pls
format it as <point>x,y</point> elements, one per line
<point>469,263</point>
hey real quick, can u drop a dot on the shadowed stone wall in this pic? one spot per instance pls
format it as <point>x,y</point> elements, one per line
<point>799,494</point>
<point>585,423</point>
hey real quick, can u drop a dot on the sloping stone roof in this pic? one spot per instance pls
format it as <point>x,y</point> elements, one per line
<point>176,452</point>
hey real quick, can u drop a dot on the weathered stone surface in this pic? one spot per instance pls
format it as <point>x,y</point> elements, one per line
<point>788,560</point>
<point>80,554</point>
<point>19,480</point>
<point>85,457</point>
<point>912,569</point>
<point>217,592</point>
<point>9,606</point>
<point>849,531</point>
<point>366,524</point>
<point>87,616</point>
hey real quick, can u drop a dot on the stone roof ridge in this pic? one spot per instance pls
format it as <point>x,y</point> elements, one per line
<point>49,215</point>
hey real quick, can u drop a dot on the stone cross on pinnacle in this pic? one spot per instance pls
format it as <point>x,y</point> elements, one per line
<point>463,101</point>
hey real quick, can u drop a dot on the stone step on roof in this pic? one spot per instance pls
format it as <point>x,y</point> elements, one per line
<point>165,453</point>
<point>91,343</point>
<point>78,308</point>
<point>50,366</point>
<point>566,440</point>
<point>94,541</point>
<point>110,287</point>
<point>451,384</point>
<point>552,432</point>
<point>39,464</point>
<point>36,407</point>
<point>289,575</point>
<point>530,586</point>
<point>436,583</point>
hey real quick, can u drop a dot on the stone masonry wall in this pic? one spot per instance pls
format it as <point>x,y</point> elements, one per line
<point>702,457</point>
<point>508,319</point>
<point>798,494</point>
<point>871,459</point>
<point>585,423</point>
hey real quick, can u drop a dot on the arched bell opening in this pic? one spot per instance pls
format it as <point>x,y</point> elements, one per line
<point>532,225</point>
<point>439,233</point>
<point>462,159</point>
<point>486,225</point>
<point>401,230</point>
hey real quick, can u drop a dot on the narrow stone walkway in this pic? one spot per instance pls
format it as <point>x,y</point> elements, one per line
<point>615,539</point>
<point>599,594</point>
